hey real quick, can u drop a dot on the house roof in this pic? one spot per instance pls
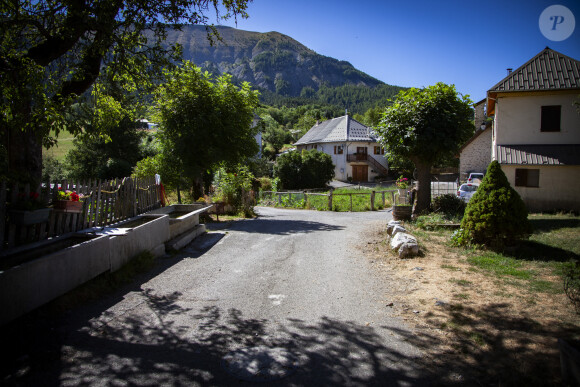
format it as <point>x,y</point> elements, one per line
<point>539,154</point>
<point>338,129</point>
<point>548,70</point>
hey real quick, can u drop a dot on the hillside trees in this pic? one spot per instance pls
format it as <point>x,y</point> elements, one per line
<point>423,126</point>
<point>52,52</point>
<point>203,122</point>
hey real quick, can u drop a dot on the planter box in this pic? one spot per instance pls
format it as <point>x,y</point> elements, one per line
<point>26,218</point>
<point>402,212</point>
<point>68,206</point>
<point>43,271</point>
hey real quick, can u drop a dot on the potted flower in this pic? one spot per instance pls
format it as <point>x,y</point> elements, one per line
<point>28,209</point>
<point>402,184</point>
<point>68,201</point>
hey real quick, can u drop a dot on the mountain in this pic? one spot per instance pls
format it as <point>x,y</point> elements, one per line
<point>275,63</point>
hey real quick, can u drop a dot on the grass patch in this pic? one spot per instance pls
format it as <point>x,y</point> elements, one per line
<point>500,265</point>
<point>461,282</point>
<point>60,150</point>
<point>450,267</point>
<point>341,200</point>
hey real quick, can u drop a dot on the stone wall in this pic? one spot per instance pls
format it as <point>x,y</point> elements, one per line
<point>476,156</point>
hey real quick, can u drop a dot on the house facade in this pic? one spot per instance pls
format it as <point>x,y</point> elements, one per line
<point>535,134</point>
<point>355,151</point>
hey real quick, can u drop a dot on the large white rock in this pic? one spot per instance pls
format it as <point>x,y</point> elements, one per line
<point>405,244</point>
<point>391,225</point>
<point>397,229</point>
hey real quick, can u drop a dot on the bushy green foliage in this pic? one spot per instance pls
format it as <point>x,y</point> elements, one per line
<point>232,184</point>
<point>495,215</point>
<point>572,283</point>
<point>449,205</point>
<point>306,169</point>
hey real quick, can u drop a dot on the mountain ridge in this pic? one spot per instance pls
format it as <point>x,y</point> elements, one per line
<point>271,61</point>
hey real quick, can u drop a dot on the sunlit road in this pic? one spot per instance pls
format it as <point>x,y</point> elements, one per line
<point>289,280</point>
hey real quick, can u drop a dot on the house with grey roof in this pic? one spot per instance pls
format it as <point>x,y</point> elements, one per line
<point>536,130</point>
<point>354,148</point>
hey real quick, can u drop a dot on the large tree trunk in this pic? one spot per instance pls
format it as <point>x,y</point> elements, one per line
<point>24,156</point>
<point>423,187</point>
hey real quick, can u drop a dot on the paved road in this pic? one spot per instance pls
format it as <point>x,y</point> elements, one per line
<point>290,281</point>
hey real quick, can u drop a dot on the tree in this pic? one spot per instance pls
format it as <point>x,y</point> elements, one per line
<point>306,169</point>
<point>204,122</point>
<point>495,214</point>
<point>52,52</point>
<point>423,126</point>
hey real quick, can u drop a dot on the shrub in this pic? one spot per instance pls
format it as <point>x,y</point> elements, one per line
<point>495,214</point>
<point>572,284</point>
<point>449,205</point>
<point>265,183</point>
<point>306,169</point>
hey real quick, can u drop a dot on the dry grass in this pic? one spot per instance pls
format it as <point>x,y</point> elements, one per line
<point>477,327</point>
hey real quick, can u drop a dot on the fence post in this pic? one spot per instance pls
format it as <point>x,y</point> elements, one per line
<point>305,200</point>
<point>372,200</point>
<point>350,202</point>
<point>2,213</point>
<point>279,198</point>
<point>330,200</point>
<point>383,199</point>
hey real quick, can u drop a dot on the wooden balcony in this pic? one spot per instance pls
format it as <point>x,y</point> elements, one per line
<point>356,157</point>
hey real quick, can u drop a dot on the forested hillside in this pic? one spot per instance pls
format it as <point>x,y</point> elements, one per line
<point>285,71</point>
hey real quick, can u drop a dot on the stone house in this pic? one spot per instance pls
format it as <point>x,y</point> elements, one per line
<point>355,151</point>
<point>535,132</point>
<point>475,154</point>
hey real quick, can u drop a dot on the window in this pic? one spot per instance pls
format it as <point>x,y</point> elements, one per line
<point>338,149</point>
<point>379,150</point>
<point>551,118</point>
<point>527,177</point>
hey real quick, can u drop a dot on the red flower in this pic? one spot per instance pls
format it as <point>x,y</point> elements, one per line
<point>74,197</point>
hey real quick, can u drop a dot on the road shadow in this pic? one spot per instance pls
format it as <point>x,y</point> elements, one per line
<point>172,344</point>
<point>273,226</point>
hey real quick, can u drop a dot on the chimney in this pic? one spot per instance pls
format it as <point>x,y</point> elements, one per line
<point>509,70</point>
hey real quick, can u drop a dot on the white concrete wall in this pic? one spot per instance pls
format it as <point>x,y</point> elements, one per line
<point>476,156</point>
<point>518,119</point>
<point>559,187</point>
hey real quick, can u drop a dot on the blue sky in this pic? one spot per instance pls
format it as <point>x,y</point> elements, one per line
<point>418,43</point>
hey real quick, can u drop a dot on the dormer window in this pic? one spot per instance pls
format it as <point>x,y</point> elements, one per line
<point>551,118</point>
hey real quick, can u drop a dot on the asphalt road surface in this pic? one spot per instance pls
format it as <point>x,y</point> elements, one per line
<point>285,299</point>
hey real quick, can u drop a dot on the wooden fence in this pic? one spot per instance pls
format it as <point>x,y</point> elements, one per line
<point>103,203</point>
<point>374,196</point>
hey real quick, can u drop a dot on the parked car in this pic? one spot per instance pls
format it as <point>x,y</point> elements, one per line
<point>475,177</point>
<point>466,191</point>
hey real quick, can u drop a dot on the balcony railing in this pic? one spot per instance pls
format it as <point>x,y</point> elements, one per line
<point>356,157</point>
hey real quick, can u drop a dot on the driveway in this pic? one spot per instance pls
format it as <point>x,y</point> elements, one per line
<point>284,299</point>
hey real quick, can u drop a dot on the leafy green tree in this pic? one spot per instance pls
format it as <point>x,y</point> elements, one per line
<point>496,214</point>
<point>204,122</point>
<point>423,126</point>
<point>52,52</point>
<point>306,169</point>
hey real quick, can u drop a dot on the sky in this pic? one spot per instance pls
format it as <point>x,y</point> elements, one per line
<point>417,43</point>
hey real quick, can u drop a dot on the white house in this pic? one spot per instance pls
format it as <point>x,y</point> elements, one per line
<point>536,130</point>
<point>353,147</point>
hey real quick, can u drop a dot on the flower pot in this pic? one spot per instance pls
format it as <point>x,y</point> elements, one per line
<point>68,206</point>
<point>25,218</point>
<point>402,212</point>
<point>402,192</point>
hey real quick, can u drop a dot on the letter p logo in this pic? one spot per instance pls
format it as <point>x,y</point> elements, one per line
<point>557,23</point>
<point>557,20</point>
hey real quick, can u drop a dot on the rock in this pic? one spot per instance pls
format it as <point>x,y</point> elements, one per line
<point>398,229</point>
<point>405,244</point>
<point>408,250</point>
<point>391,225</point>
<point>417,268</point>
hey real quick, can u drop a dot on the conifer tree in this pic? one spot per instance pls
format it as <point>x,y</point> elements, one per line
<point>496,214</point>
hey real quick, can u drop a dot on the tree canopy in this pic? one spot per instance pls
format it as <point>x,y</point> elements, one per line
<point>52,52</point>
<point>423,126</point>
<point>306,169</point>
<point>205,121</point>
